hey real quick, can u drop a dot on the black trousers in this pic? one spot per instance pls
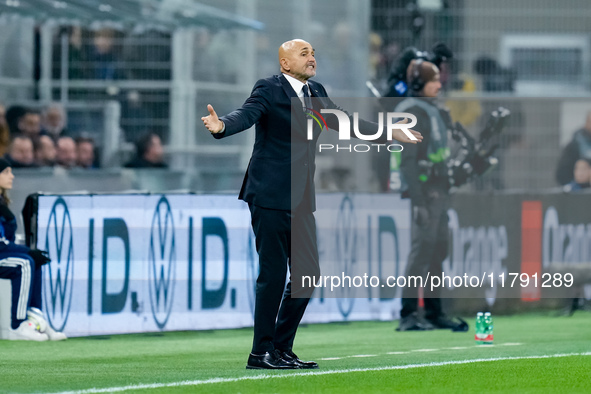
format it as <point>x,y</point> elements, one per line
<point>279,307</point>
<point>25,277</point>
<point>429,247</point>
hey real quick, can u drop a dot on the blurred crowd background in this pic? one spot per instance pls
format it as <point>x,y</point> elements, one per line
<point>107,86</point>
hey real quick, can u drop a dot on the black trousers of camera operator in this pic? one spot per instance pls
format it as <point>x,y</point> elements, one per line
<point>429,247</point>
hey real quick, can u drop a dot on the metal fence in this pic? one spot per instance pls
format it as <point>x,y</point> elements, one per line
<point>526,47</point>
<point>164,78</point>
<point>503,51</point>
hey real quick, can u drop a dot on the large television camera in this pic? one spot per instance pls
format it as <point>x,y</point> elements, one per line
<point>474,158</point>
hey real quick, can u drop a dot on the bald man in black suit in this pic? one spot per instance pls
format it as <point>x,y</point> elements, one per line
<point>279,189</point>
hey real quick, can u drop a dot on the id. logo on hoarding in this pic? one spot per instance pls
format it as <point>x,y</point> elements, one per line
<point>59,274</point>
<point>162,260</point>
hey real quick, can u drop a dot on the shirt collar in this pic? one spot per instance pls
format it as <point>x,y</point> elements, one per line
<point>296,84</point>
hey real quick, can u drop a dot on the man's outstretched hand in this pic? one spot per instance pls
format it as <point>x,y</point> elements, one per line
<point>399,135</point>
<point>212,122</point>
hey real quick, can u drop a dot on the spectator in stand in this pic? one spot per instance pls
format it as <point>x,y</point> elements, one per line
<point>66,153</point>
<point>581,176</point>
<point>85,152</point>
<point>20,153</point>
<point>149,153</point>
<point>45,151</point>
<point>578,148</point>
<point>103,58</point>
<point>54,121</point>
<point>4,131</point>
<point>13,115</point>
<point>134,114</point>
<point>77,56</point>
<point>29,123</point>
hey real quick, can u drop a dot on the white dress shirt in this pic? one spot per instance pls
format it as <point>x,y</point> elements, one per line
<point>298,86</point>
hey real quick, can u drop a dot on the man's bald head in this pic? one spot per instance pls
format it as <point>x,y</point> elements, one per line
<point>296,58</point>
<point>291,45</point>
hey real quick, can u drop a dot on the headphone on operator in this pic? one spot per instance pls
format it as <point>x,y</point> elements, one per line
<point>415,83</point>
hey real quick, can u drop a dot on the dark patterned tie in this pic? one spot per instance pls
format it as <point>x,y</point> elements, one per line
<point>307,99</point>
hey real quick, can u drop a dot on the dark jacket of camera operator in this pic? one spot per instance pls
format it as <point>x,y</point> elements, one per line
<point>578,148</point>
<point>424,179</point>
<point>423,167</point>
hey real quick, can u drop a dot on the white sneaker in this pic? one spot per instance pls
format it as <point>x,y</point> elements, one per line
<point>27,332</point>
<point>38,319</point>
<point>36,316</point>
<point>54,335</point>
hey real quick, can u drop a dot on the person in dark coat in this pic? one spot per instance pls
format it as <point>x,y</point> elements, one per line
<point>279,189</point>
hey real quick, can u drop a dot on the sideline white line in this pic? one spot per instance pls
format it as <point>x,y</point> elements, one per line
<point>420,350</point>
<point>353,356</point>
<point>311,373</point>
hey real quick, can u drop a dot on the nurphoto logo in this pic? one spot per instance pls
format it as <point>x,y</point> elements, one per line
<point>344,130</point>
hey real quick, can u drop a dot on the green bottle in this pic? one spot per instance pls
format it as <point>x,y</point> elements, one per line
<point>488,329</point>
<point>479,336</point>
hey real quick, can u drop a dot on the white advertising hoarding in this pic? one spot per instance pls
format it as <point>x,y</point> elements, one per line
<point>144,263</point>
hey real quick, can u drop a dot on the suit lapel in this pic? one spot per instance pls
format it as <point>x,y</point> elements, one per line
<point>319,95</point>
<point>287,87</point>
<point>299,115</point>
<point>315,90</point>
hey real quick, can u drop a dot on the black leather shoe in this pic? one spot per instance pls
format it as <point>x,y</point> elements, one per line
<point>269,360</point>
<point>414,323</point>
<point>443,322</point>
<point>291,356</point>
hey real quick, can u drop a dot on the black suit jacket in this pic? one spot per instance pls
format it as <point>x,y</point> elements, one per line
<point>280,174</point>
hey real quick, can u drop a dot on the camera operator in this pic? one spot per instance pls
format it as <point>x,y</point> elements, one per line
<point>423,170</point>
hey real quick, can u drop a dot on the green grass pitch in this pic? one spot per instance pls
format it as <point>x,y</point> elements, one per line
<point>532,353</point>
